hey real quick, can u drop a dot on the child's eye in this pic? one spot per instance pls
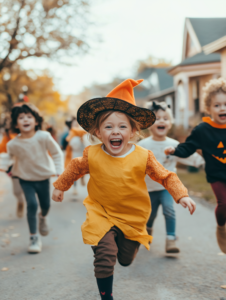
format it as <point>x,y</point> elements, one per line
<point>108,126</point>
<point>122,126</point>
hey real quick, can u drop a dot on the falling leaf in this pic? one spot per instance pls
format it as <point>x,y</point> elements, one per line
<point>11,227</point>
<point>223,286</point>
<point>55,238</point>
<point>15,235</point>
<point>5,269</point>
<point>33,267</point>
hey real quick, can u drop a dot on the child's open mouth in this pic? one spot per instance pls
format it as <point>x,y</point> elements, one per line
<point>116,143</point>
<point>26,125</point>
<point>222,116</point>
<point>161,127</point>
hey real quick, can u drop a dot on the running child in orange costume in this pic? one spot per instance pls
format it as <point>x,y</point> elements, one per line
<point>17,190</point>
<point>118,204</point>
<point>210,137</point>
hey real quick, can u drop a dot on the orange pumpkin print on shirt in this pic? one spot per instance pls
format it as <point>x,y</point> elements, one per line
<point>221,159</point>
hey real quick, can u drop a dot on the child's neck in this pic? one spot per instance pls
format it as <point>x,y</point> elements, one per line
<point>27,135</point>
<point>158,138</point>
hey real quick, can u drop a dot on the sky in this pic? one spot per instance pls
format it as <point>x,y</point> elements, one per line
<point>130,30</point>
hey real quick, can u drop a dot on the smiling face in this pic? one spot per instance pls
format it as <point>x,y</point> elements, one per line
<point>26,123</point>
<point>161,126</point>
<point>217,108</point>
<point>115,132</point>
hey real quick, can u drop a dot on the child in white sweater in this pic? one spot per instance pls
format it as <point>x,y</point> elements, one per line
<point>33,166</point>
<point>157,143</point>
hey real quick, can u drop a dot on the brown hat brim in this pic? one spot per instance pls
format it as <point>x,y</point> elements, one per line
<point>88,112</point>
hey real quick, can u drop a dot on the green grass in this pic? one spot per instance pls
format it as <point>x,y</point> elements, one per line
<point>197,185</point>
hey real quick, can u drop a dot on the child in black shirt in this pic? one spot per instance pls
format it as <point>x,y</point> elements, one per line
<point>210,137</point>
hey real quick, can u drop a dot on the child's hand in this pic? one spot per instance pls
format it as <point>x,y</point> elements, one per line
<point>58,195</point>
<point>188,202</point>
<point>169,150</point>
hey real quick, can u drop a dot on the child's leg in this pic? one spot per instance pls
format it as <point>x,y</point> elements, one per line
<point>169,213</point>
<point>155,202</point>
<point>32,205</point>
<point>219,189</point>
<point>18,193</point>
<point>105,254</point>
<point>17,190</point>
<point>43,192</point>
<point>127,249</point>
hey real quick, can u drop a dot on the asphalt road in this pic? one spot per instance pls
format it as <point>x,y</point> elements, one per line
<point>64,269</point>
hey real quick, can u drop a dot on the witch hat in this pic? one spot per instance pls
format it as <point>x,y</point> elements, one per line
<point>121,98</point>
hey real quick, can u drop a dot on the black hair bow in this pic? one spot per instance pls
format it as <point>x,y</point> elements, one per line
<point>156,106</point>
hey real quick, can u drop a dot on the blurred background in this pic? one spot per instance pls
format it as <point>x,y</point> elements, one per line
<point>59,53</point>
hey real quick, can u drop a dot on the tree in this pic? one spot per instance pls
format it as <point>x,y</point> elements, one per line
<point>42,28</point>
<point>40,90</point>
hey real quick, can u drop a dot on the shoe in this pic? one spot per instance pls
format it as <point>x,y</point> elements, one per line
<point>75,192</point>
<point>43,227</point>
<point>150,231</point>
<point>35,245</point>
<point>20,209</point>
<point>171,246</point>
<point>221,238</point>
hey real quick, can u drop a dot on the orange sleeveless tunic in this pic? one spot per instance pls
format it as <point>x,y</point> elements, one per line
<point>117,191</point>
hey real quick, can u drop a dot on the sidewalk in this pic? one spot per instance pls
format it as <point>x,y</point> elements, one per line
<point>64,269</point>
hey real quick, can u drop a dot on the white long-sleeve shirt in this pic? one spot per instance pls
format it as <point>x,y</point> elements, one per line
<point>169,162</point>
<point>32,159</point>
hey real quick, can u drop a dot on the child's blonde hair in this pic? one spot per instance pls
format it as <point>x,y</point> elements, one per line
<point>212,88</point>
<point>155,106</point>
<point>101,117</point>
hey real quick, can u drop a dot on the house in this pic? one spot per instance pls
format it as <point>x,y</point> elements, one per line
<point>157,85</point>
<point>203,58</point>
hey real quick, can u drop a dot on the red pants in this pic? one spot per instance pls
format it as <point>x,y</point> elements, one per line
<point>219,189</point>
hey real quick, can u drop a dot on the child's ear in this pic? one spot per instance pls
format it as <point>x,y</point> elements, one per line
<point>97,131</point>
<point>208,110</point>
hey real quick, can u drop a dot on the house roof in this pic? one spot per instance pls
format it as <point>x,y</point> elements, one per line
<point>165,81</point>
<point>208,29</point>
<point>200,58</point>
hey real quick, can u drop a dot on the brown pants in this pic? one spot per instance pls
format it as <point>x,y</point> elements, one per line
<point>111,246</point>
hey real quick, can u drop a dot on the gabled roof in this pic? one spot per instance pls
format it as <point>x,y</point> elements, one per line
<point>200,58</point>
<point>208,30</point>
<point>165,81</point>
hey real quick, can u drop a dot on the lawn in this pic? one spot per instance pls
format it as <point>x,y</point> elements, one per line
<point>196,184</point>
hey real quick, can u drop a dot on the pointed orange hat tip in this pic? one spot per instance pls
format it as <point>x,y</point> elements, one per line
<point>124,90</point>
<point>135,82</point>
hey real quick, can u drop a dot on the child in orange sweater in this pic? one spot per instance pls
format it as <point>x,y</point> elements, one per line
<point>118,204</point>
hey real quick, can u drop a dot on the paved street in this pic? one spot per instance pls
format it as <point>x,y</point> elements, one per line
<point>64,269</point>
